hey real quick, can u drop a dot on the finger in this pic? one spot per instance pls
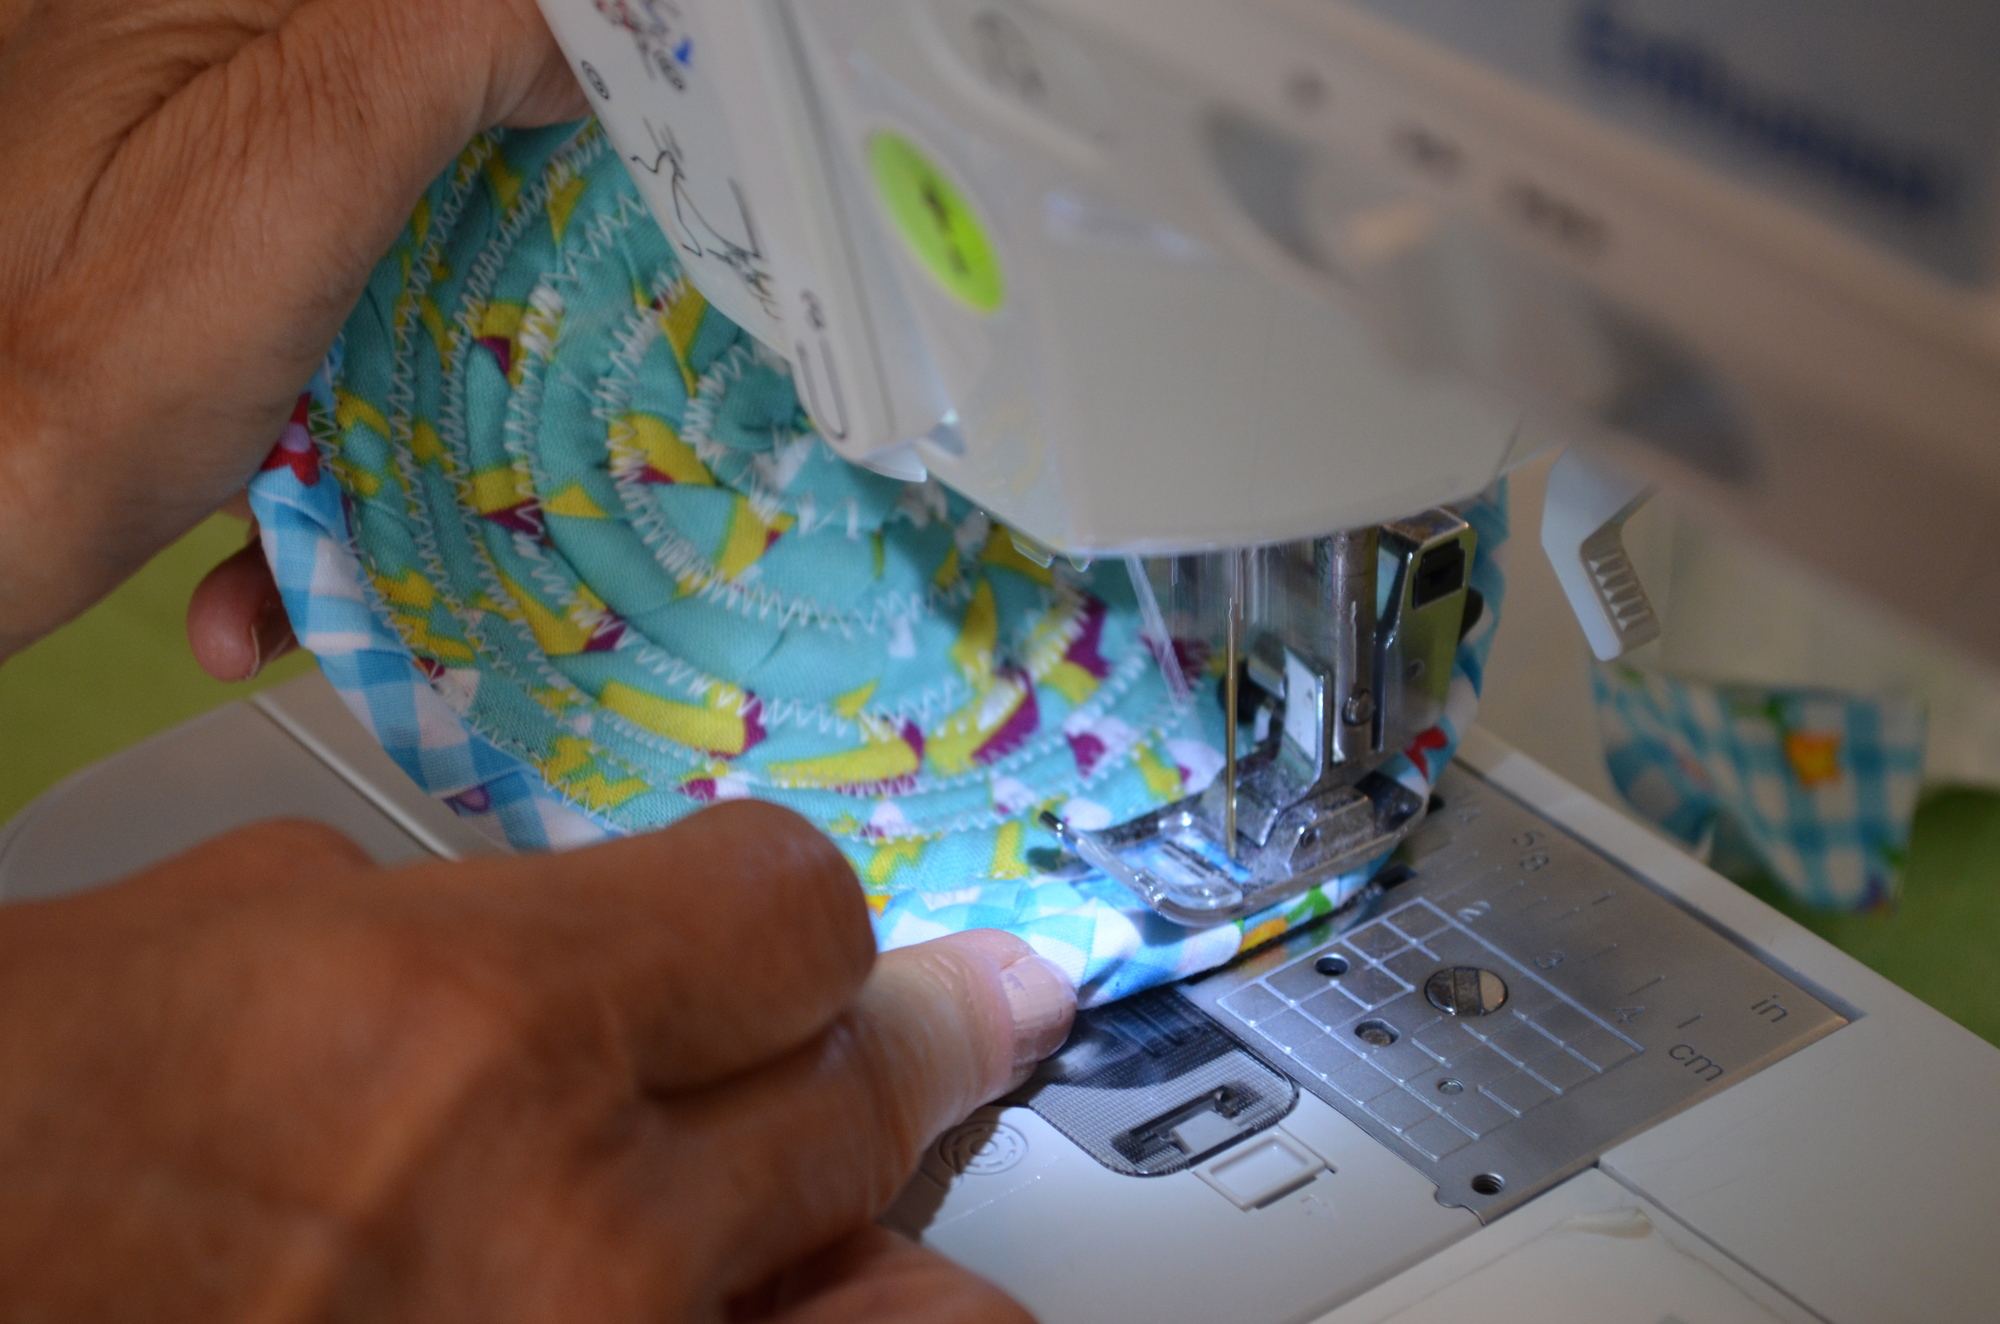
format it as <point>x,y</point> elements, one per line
<point>877,1277</point>
<point>690,953</point>
<point>828,1135</point>
<point>236,620</point>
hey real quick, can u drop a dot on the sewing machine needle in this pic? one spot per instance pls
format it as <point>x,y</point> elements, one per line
<point>1229,683</point>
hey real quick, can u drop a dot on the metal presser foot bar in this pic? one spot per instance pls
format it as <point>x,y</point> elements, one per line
<point>1512,1008</point>
<point>1337,652</point>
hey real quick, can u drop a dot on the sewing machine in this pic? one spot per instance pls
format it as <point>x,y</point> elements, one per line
<point>1253,290</point>
<point>1722,1118</point>
<point>1250,294</point>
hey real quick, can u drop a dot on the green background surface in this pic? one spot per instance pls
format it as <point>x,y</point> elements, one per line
<point>122,671</point>
<point>1942,941</point>
<point>116,674</point>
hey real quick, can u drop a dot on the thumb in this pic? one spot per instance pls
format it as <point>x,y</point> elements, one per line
<point>236,621</point>
<point>938,1029</point>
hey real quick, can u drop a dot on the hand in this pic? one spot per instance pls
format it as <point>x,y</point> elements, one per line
<point>196,191</point>
<point>661,1079</point>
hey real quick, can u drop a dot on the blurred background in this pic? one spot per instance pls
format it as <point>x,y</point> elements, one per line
<point>1732,611</point>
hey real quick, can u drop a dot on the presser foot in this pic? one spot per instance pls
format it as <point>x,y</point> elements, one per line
<point>1172,861</point>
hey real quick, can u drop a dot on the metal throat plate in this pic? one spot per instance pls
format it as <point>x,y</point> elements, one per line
<point>1620,1008</point>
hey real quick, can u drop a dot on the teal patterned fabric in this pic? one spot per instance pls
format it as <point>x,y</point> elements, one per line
<point>565,540</point>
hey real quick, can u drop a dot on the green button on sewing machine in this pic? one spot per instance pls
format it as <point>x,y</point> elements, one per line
<point>939,225</point>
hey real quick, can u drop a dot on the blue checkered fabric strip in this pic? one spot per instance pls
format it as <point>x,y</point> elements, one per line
<point>311,554</point>
<point>1821,787</point>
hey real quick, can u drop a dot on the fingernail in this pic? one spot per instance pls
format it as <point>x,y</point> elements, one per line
<point>1043,1002</point>
<point>270,637</point>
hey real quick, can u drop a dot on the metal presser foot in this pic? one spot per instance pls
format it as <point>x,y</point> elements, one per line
<point>1176,866</point>
<point>1339,674</point>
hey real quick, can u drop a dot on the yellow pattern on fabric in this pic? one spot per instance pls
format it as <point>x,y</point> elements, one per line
<point>558,635</point>
<point>425,448</point>
<point>351,409</point>
<point>505,181</point>
<point>501,487</point>
<point>1163,778</point>
<point>574,502</point>
<point>410,600</point>
<point>977,634</point>
<point>665,452</point>
<point>422,639</point>
<point>947,571</point>
<point>353,477</point>
<point>412,590</point>
<point>1071,681</point>
<point>747,538</point>
<point>580,773</point>
<point>555,699</point>
<point>433,319</point>
<point>563,198</point>
<point>716,726</point>
<point>877,761</point>
<point>498,321</point>
<point>1008,862</point>
<point>1814,757</point>
<point>960,735</point>
<point>850,704</point>
<point>504,321</point>
<point>890,857</point>
<point>680,321</point>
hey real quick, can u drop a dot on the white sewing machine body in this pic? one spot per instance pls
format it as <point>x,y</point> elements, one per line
<point>1311,259</point>
<point>1758,1129</point>
<point>1254,282</point>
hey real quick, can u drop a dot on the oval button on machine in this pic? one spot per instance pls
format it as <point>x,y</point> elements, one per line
<point>939,227</point>
<point>1466,990</point>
